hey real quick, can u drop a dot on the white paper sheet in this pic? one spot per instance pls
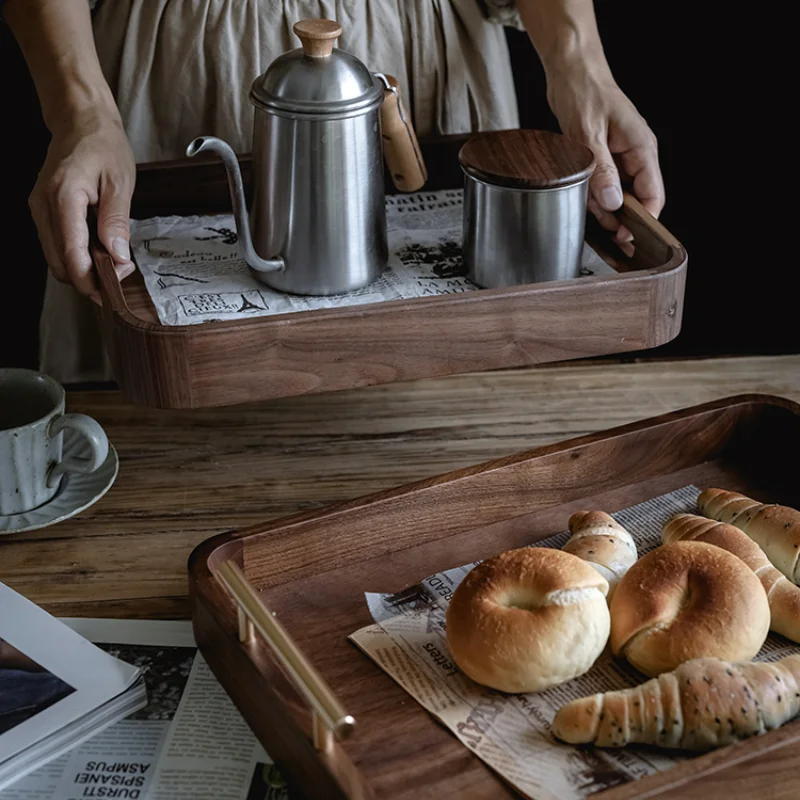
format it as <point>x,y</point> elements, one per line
<point>193,272</point>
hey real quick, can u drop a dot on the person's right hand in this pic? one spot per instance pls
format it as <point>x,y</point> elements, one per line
<point>89,163</point>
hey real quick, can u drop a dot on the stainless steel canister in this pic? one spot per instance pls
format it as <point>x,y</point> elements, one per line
<point>524,207</point>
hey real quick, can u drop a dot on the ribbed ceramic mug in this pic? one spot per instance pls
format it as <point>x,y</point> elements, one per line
<point>32,423</point>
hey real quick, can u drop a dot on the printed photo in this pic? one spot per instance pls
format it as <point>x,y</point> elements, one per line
<point>267,784</point>
<point>166,671</point>
<point>26,688</point>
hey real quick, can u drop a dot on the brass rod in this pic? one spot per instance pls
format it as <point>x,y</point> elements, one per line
<point>309,682</point>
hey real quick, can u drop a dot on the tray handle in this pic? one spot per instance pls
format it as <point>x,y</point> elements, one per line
<point>109,283</point>
<point>329,719</point>
<point>638,220</point>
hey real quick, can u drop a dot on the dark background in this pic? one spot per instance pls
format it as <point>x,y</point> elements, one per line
<point>693,85</point>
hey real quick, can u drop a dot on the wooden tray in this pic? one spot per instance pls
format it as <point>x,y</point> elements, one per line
<point>311,570</point>
<point>226,363</point>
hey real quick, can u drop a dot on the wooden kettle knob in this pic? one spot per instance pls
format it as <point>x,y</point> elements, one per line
<point>317,36</point>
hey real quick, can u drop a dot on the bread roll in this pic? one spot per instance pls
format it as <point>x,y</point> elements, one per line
<point>601,541</point>
<point>688,600</point>
<point>782,595</point>
<point>703,704</point>
<point>776,529</point>
<point>528,619</point>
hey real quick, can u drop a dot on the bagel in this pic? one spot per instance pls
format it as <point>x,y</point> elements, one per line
<point>528,619</point>
<point>688,600</point>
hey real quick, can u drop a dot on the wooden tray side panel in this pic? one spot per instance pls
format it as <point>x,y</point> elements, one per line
<point>164,361</point>
<point>491,332</point>
<point>151,365</point>
<point>488,494</point>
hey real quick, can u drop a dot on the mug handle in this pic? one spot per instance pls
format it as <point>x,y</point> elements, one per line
<point>91,431</point>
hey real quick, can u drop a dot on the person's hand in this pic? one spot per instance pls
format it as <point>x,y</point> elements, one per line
<point>89,163</point>
<point>593,110</point>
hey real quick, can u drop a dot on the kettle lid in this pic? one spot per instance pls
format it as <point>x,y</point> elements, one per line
<point>316,78</point>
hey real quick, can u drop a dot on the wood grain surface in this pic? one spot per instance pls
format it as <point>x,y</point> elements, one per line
<point>187,475</point>
<point>523,159</point>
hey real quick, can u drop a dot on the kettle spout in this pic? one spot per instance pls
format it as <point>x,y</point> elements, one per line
<point>224,151</point>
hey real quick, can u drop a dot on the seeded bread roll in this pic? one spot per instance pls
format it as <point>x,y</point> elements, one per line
<point>783,596</point>
<point>528,619</point>
<point>688,600</point>
<point>775,529</point>
<point>601,541</point>
<point>703,704</point>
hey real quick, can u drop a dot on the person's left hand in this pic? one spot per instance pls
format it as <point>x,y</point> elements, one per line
<point>593,110</point>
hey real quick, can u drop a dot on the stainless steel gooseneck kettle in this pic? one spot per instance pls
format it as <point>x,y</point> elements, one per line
<point>317,220</point>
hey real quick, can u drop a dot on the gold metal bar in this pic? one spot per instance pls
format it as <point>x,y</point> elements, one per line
<point>247,632</point>
<point>324,703</point>
<point>322,736</point>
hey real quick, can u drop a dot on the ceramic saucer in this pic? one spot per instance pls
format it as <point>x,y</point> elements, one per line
<point>76,493</point>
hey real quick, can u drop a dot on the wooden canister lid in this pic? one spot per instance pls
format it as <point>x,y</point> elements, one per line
<point>526,159</point>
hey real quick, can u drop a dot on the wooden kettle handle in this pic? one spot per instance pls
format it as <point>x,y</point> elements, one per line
<point>400,145</point>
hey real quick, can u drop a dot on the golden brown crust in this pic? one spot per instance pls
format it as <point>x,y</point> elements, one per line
<point>600,540</point>
<point>688,600</point>
<point>775,528</point>
<point>595,549</point>
<point>690,527</point>
<point>586,519</point>
<point>783,596</point>
<point>528,619</point>
<point>722,505</point>
<point>703,704</point>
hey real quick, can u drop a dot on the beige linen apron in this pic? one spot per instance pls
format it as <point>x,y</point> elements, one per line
<point>182,68</point>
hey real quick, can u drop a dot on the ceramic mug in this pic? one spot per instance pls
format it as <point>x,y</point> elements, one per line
<point>32,422</point>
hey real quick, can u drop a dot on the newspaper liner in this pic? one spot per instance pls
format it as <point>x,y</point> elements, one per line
<point>511,733</point>
<point>194,273</point>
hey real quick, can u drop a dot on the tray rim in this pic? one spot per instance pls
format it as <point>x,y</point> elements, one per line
<point>700,766</point>
<point>113,291</point>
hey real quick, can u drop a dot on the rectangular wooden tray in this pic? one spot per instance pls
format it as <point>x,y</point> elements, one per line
<point>226,363</point>
<point>311,570</point>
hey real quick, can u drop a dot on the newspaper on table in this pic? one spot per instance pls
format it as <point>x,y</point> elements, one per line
<point>194,273</point>
<point>511,733</point>
<point>188,742</point>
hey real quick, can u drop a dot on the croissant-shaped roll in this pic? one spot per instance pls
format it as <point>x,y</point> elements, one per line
<point>776,529</point>
<point>601,541</point>
<point>702,704</point>
<point>783,596</point>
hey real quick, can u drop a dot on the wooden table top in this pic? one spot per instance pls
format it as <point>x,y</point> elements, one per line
<point>187,475</point>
